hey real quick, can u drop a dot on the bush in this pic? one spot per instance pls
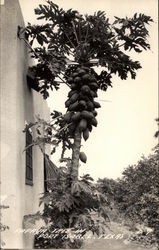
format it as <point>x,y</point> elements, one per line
<point>136,194</point>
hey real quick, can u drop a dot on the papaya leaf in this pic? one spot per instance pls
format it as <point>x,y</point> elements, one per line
<point>46,199</point>
<point>32,218</point>
<point>80,186</point>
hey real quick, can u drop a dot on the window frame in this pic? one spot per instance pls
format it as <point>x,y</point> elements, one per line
<point>28,158</point>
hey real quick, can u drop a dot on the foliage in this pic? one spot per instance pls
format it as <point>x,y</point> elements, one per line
<point>143,237</point>
<point>136,194</point>
<point>107,186</point>
<point>53,133</point>
<point>135,181</point>
<point>2,226</point>
<point>72,209</point>
<point>157,132</point>
<point>68,34</point>
<point>69,205</point>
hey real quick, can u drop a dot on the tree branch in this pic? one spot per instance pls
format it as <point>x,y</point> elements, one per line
<point>63,81</point>
<point>66,126</point>
<point>79,28</point>
<point>86,34</point>
<point>75,31</point>
<point>70,40</point>
<point>121,45</point>
<point>29,46</point>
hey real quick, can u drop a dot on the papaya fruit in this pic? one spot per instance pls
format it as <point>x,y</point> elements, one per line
<point>85,89</point>
<point>73,86</point>
<point>92,78</point>
<point>81,72</point>
<point>77,79</point>
<point>93,85</point>
<point>74,98</point>
<point>90,106</point>
<point>78,69</point>
<point>70,80</point>
<point>73,107</point>
<point>74,74</point>
<point>67,103</point>
<point>87,115</point>
<point>71,92</point>
<point>93,93</point>
<point>83,97</point>
<point>89,126</point>
<point>86,134</point>
<point>97,105</point>
<point>82,125</point>
<point>83,157</point>
<point>82,105</point>
<point>67,117</point>
<point>86,77</point>
<point>85,68</point>
<point>94,112</point>
<point>72,128</point>
<point>81,83</point>
<point>94,122</point>
<point>76,116</point>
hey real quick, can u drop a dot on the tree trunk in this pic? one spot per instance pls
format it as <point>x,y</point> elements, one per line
<point>75,155</point>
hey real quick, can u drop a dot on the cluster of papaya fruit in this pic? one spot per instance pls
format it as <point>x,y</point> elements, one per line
<point>81,106</point>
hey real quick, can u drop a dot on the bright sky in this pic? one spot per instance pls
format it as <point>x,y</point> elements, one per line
<point>126,124</point>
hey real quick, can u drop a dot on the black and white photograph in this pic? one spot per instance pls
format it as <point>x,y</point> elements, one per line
<point>79,124</point>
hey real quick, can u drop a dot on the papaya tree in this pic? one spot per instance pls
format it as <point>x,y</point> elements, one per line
<point>70,48</point>
<point>83,52</point>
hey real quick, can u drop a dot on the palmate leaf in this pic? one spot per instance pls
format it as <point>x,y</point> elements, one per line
<point>46,199</point>
<point>32,218</point>
<point>136,37</point>
<point>102,211</point>
<point>101,197</point>
<point>73,219</point>
<point>61,206</point>
<point>88,221</point>
<point>39,32</point>
<point>104,80</point>
<point>87,178</point>
<point>48,12</point>
<point>84,221</point>
<point>118,63</point>
<point>80,186</point>
<point>66,203</point>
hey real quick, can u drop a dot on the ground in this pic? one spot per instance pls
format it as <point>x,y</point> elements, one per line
<point>114,243</point>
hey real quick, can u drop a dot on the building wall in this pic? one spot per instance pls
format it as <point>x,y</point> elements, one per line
<point>18,105</point>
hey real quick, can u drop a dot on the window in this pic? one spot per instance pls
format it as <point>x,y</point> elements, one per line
<point>45,176</point>
<point>29,160</point>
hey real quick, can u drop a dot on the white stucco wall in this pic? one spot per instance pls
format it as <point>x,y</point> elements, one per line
<point>18,104</point>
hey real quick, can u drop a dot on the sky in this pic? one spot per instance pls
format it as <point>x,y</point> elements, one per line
<point>126,121</point>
